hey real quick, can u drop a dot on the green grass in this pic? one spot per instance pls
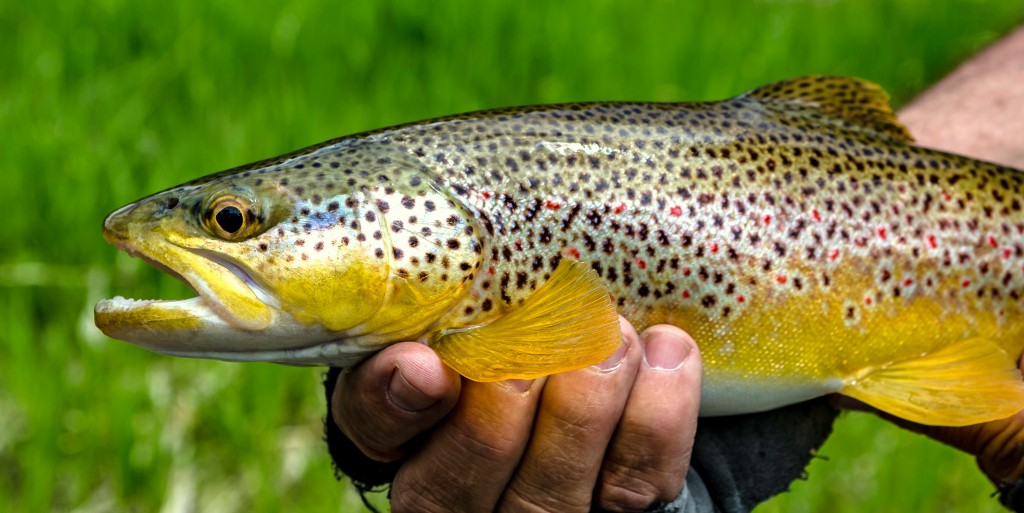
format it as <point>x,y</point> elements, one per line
<point>103,102</point>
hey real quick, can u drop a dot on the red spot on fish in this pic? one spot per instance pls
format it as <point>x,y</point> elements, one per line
<point>620,208</point>
<point>908,282</point>
<point>740,298</point>
<point>676,211</point>
<point>573,253</point>
<point>946,196</point>
<point>931,242</point>
<point>781,279</point>
<point>833,255</point>
<point>686,294</point>
<point>714,247</point>
<point>992,242</point>
<point>895,210</point>
<point>767,220</point>
<point>816,215</point>
<point>491,271</point>
<point>641,263</point>
<point>965,283</point>
<point>552,205</point>
<point>1007,253</point>
<point>881,233</point>
<point>519,244</point>
<point>867,301</point>
<point>686,271</point>
<point>486,194</point>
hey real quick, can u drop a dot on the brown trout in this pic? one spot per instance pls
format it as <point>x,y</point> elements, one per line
<point>794,231</point>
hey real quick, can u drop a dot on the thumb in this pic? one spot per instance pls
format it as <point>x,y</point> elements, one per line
<point>392,397</point>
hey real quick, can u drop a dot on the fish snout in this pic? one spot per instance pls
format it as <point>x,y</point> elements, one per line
<point>116,225</point>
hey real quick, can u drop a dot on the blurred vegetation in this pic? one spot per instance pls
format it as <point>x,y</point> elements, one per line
<point>105,101</point>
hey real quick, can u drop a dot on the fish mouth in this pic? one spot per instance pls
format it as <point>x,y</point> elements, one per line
<point>228,297</point>
<point>232,317</point>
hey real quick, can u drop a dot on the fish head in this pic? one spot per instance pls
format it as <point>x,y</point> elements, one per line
<point>299,261</point>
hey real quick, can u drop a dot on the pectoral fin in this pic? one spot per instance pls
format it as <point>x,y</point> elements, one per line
<point>566,324</point>
<point>970,382</point>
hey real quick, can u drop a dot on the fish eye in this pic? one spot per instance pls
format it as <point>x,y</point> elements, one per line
<point>230,218</point>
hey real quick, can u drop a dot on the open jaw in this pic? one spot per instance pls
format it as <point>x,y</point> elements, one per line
<point>229,304</point>
<point>232,317</point>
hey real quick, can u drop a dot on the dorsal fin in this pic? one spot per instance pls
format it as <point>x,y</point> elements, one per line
<point>854,101</point>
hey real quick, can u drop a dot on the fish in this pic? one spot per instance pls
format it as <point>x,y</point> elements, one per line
<point>794,230</point>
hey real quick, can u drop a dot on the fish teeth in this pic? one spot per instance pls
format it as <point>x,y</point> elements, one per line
<point>124,302</point>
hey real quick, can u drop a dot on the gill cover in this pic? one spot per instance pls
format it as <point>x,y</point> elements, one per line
<point>375,252</point>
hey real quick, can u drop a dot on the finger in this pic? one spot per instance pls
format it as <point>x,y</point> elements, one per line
<point>650,452</point>
<point>468,459</point>
<point>392,397</point>
<point>576,418</point>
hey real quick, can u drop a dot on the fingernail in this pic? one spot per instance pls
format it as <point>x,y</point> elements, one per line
<point>516,386</point>
<point>406,396</point>
<point>615,360</point>
<point>665,352</point>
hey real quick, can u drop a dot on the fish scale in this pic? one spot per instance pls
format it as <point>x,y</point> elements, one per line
<point>793,231</point>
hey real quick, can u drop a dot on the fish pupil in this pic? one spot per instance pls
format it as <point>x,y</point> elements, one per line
<point>230,219</point>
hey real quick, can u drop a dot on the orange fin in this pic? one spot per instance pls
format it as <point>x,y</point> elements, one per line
<point>853,101</point>
<point>970,382</point>
<point>566,324</point>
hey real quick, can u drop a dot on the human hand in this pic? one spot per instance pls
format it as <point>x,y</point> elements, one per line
<point>617,435</point>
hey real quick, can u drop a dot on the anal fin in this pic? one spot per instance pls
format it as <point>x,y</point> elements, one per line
<point>969,382</point>
<point>566,324</point>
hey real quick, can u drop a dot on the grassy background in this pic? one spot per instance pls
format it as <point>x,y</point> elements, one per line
<point>102,102</point>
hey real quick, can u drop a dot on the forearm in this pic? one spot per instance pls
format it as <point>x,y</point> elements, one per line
<point>978,110</point>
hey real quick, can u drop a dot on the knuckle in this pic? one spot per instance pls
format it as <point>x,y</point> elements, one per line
<point>542,499</point>
<point>492,446</point>
<point>635,485</point>
<point>579,423</point>
<point>416,498</point>
<point>622,492</point>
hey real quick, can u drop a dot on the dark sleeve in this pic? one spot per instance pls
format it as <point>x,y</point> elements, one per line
<point>1011,495</point>
<point>738,462</point>
<point>366,474</point>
